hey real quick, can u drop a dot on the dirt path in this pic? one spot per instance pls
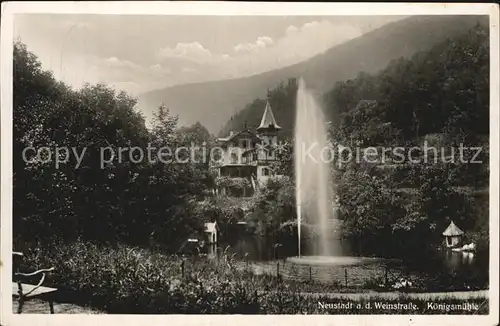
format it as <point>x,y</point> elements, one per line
<point>42,307</point>
<point>482,294</point>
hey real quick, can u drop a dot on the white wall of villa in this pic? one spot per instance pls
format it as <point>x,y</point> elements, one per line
<point>250,154</point>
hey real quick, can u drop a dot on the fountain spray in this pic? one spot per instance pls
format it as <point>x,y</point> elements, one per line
<point>312,171</point>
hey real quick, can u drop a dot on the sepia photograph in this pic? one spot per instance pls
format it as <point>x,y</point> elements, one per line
<point>250,163</point>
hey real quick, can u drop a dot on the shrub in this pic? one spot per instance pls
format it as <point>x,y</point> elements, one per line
<point>122,279</point>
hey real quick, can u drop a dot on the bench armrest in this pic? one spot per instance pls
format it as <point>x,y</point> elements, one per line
<point>45,270</point>
<point>41,271</point>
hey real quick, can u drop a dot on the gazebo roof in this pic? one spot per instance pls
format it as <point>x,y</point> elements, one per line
<point>211,227</point>
<point>452,230</point>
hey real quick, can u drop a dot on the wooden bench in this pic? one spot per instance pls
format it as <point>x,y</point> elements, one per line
<point>23,291</point>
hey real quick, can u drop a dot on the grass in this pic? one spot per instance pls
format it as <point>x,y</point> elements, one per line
<point>122,279</point>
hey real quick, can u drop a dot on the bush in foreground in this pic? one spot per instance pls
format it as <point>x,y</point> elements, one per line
<point>121,279</point>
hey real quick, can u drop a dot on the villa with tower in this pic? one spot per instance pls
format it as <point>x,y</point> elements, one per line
<point>246,158</point>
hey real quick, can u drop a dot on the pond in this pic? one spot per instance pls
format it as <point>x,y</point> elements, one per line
<point>436,270</point>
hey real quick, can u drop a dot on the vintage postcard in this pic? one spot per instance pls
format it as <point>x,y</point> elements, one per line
<point>235,162</point>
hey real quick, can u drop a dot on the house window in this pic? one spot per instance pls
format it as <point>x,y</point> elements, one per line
<point>265,172</point>
<point>234,158</point>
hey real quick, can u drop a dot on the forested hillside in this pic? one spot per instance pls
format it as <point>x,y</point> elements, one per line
<point>442,90</point>
<point>439,96</point>
<point>215,102</point>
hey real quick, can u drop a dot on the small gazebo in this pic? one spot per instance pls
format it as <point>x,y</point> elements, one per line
<point>453,235</point>
<point>211,230</point>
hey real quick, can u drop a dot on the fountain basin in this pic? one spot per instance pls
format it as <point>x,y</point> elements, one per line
<point>331,260</point>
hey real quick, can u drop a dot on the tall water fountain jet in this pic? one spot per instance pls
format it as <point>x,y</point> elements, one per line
<point>314,191</point>
<point>314,188</point>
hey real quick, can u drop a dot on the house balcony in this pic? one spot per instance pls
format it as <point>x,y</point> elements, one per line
<point>255,158</point>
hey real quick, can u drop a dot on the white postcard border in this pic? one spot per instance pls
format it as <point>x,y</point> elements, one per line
<point>9,9</point>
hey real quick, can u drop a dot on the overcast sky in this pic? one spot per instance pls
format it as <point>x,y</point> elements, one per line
<point>141,53</point>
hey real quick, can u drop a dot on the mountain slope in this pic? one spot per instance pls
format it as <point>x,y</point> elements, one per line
<point>213,103</point>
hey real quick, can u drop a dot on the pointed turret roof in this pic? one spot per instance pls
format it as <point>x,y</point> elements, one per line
<point>452,230</point>
<point>268,121</point>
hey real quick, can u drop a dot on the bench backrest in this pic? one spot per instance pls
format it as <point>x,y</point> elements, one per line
<point>17,258</point>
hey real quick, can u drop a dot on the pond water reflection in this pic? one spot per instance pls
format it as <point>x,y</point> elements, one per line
<point>438,269</point>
